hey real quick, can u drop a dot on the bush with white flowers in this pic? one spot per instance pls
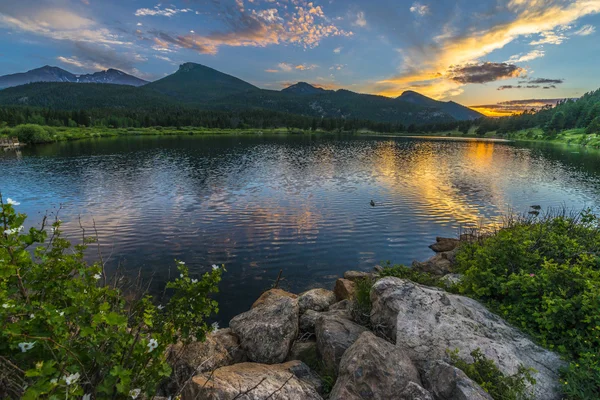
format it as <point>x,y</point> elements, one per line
<point>67,331</point>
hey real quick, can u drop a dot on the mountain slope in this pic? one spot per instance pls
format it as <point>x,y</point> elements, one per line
<point>303,88</point>
<point>457,111</point>
<point>55,74</point>
<point>195,83</point>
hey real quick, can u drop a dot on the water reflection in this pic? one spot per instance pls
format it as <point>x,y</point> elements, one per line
<point>301,204</point>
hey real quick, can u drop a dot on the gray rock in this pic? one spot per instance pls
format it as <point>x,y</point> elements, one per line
<point>250,381</point>
<point>308,320</point>
<point>378,269</point>
<point>439,264</point>
<point>447,382</point>
<point>373,368</point>
<point>344,289</point>
<point>427,321</point>
<point>267,331</point>
<point>304,351</point>
<point>413,391</point>
<point>341,305</point>
<point>334,335</point>
<point>451,280</point>
<point>273,295</point>
<point>316,300</point>
<point>444,244</point>
<point>357,275</point>
<point>220,349</point>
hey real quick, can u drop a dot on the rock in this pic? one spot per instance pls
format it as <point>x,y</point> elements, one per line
<point>357,275</point>
<point>447,382</point>
<point>427,321</point>
<point>451,280</point>
<point>308,320</point>
<point>444,244</point>
<point>439,264</point>
<point>250,381</point>
<point>415,392</point>
<point>316,300</point>
<point>304,351</point>
<point>373,368</point>
<point>334,336</point>
<point>341,305</point>
<point>267,331</point>
<point>271,295</point>
<point>344,289</point>
<point>378,268</point>
<point>218,350</point>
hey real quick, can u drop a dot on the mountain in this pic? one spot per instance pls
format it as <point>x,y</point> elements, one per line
<point>55,74</point>
<point>457,111</point>
<point>198,83</point>
<point>198,87</point>
<point>303,88</point>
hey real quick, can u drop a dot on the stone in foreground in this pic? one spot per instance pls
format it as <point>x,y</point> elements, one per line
<point>267,331</point>
<point>446,382</point>
<point>250,381</point>
<point>344,289</point>
<point>271,295</point>
<point>373,368</point>
<point>427,321</point>
<point>444,244</point>
<point>334,335</point>
<point>316,300</point>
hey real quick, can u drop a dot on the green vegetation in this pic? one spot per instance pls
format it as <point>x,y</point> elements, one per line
<point>501,387</point>
<point>543,276</point>
<point>361,304</point>
<point>403,272</point>
<point>68,330</point>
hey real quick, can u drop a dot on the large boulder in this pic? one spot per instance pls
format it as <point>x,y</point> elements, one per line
<point>447,382</point>
<point>344,289</point>
<point>308,320</point>
<point>428,321</point>
<point>373,368</point>
<point>305,352</point>
<point>316,300</point>
<point>357,275</point>
<point>220,349</point>
<point>444,244</point>
<point>334,335</point>
<point>250,381</point>
<point>268,330</point>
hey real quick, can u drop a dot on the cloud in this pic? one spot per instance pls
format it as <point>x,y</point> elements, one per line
<point>157,10</point>
<point>360,20</point>
<point>427,64</point>
<point>586,30</point>
<point>305,67</point>
<point>45,19</point>
<point>549,37</point>
<point>532,55</point>
<point>337,67</point>
<point>419,9</point>
<point>543,81</point>
<point>305,26</point>
<point>89,57</point>
<point>484,72</point>
<point>512,107</point>
<point>285,67</point>
<point>337,50</point>
<point>272,71</point>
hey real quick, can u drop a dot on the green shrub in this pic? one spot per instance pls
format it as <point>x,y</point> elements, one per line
<point>543,276</point>
<point>69,331</point>
<point>403,272</point>
<point>361,304</point>
<point>501,387</point>
<point>31,133</point>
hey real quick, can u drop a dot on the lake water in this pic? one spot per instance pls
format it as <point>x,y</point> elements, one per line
<point>259,204</point>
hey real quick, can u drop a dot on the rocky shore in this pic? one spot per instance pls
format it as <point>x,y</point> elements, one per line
<point>290,346</point>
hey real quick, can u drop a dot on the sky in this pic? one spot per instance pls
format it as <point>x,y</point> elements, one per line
<point>498,56</point>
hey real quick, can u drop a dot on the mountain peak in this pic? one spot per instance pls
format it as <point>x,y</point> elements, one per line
<point>303,88</point>
<point>456,110</point>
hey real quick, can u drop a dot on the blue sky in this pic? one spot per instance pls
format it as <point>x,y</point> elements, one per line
<point>475,53</point>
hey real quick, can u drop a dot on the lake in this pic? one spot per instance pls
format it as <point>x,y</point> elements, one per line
<point>259,204</point>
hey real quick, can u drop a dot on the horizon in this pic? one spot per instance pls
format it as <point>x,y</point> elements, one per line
<point>496,58</point>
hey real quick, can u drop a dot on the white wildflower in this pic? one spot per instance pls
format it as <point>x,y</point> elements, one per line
<point>32,316</point>
<point>26,346</point>
<point>215,327</point>
<point>54,381</point>
<point>194,280</point>
<point>181,275</point>
<point>12,202</point>
<point>5,305</point>
<point>72,378</point>
<point>87,396</point>
<point>61,313</point>
<point>152,344</point>
<point>97,276</point>
<point>160,307</point>
<point>134,393</point>
<point>215,267</point>
<point>12,231</point>
<point>180,262</point>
